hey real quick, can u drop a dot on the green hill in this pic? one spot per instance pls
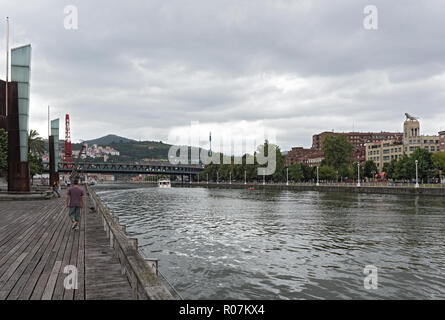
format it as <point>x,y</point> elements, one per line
<point>130,150</point>
<point>108,140</point>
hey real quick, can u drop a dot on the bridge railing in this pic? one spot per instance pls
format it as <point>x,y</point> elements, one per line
<point>115,168</point>
<point>141,273</point>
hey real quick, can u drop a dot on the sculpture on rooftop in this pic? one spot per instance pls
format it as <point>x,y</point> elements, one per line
<point>410,117</point>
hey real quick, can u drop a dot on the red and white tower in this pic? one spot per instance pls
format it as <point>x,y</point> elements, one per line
<point>68,157</point>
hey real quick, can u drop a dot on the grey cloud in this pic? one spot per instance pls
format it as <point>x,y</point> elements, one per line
<point>140,68</point>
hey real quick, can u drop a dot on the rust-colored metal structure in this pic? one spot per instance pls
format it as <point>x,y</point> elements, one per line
<point>53,175</point>
<point>18,171</point>
<point>68,156</point>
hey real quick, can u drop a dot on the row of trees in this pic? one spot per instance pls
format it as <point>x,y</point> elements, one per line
<point>338,165</point>
<point>239,167</point>
<point>430,166</point>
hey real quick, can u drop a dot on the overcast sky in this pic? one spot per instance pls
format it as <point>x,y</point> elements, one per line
<point>145,69</point>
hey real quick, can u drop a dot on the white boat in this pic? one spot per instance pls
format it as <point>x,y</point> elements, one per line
<point>164,184</point>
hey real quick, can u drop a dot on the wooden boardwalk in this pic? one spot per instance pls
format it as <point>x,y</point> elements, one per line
<point>37,244</point>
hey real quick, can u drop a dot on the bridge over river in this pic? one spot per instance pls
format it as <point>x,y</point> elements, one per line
<point>129,168</point>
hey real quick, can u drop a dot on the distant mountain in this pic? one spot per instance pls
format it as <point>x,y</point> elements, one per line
<point>109,139</point>
<point>130,150</point>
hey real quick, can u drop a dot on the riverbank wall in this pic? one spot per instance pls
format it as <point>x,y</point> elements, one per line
<point>410,191</point>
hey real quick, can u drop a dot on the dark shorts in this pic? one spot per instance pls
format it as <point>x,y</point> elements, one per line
<point>75,213</point>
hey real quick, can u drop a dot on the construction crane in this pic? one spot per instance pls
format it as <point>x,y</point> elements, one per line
<point>68,156</point>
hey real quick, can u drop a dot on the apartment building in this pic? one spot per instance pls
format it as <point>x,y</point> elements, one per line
<point>385,151</point>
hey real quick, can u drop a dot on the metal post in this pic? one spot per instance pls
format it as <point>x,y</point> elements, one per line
<point>245,177</point>
<point>287,176</point>
<point>7,63</point>
<point>230,177</point>
<point>49,121</point>
<point>417,174</point>
<point>207,178</point>
<point>190,180</point>
<point>217,177</point>
<point>317,178</point>
<point>264,179</point>
<point>358,170</point>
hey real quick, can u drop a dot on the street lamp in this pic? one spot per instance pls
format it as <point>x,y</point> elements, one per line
<point>317,178</point>
<point>287,176</point>
<point>358,172</point>
<point>417,174</point>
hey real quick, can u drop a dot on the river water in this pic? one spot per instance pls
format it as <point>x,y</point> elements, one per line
<point>270,244</point>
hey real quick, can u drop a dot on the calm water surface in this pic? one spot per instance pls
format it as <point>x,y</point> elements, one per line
<point>244,244</point>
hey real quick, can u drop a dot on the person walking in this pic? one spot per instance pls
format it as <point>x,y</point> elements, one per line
<point>75,201</point>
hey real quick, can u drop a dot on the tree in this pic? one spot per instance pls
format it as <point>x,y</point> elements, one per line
<point>327,173</point>
<point>309,173</point>
<point>425,163</point>
<point>347,172</point>
<point>337,151</point>
<point>404,168</point>
<point>370,169</point>
<point>389,168</point>
<point>35,165</point>
<point>439,161</point>
<point>296,172</point>
<point>36,145</point>
<point>3,151</point>
<point>354,170</point>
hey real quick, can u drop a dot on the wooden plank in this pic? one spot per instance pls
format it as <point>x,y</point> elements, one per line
<point>56,254</point>
<point>41,255</point>
<point>6,288</point>
<point>21,241</point>
<point>31,244</point>
<point>103,277</point>
<point>36,243</point>
<point>12,268</point>
<point>40,274</point>
<point>68,294</point>
<point>65,256</point>
<point>80,292</point>
<point>49,289</point>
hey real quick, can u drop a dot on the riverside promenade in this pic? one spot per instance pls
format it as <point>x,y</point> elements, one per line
<point>425,190</point>
<point>38,250</point>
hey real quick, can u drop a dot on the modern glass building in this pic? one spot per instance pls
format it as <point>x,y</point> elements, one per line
<point>20,73</point>
<point>55,134</point>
